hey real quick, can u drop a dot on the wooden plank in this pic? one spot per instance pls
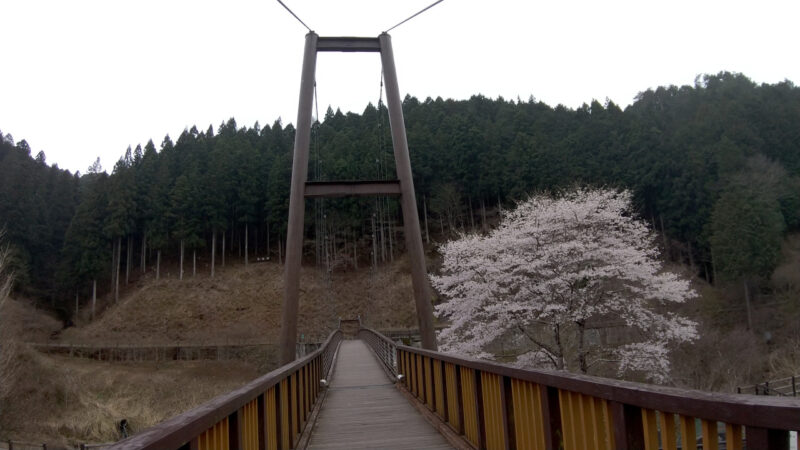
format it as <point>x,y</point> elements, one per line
<point>363,409</point>
<point>668,438</point>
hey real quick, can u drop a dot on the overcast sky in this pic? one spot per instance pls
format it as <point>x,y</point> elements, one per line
<point>82,79</point>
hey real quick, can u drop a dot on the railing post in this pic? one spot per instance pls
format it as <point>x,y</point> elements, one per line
<point>767,439</point>
<point>262,421</point>
<point>551,417</point>
<point>478,392</point>
<point>445,399</point>
<point>628,428</point>
<point>507,405</point>
<point>460,400</point>
<point>235,429</point>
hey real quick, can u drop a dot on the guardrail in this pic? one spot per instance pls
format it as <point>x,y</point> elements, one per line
<point>784,387</point>
<point>496,406</point>
<point>269,412</point>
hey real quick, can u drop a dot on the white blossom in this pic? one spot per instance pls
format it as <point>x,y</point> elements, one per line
<point>555,268</point>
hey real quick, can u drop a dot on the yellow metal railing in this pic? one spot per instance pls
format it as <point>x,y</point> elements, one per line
<point>268,413</point>
<point>496,406</point>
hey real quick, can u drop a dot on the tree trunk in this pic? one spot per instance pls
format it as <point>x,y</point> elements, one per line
<point>158,264</point>
<point>355,252</point>
<point>113,263</point>
<point>119,257</point>
<point>129,259</point>
<point>691,256</point>
<point>383,235</point>
<point>391,239</point>
<point>560,357</point>
<point>747,304</point>
<point>483,216</point>
<point>245,244</point>
<point>180,273</point>
<point>194,262</point>
<point>144,253</point>
<point>280,252</point>
<point>713,269</point>
<point>664,237</point>
<point>77,305</point>
<point>223,248</point>
<point>582,348</point>
<point>374,246</point>
<point>213,250</point>
<point>425,209</point>
<point>94,296</point>
<point>268,253</point>
<point>471,216</point>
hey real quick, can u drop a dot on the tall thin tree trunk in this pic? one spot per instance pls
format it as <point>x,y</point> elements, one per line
<point>391,239</point>
<point>664,237</point>
<point>129,259</point>
<point>76,305</point>
<point>113,263</point>
<point>471,216</point>
<point>158,264</point>
<point>747,304</point>
<point>143,266</point>
<point>425,209</point>
<point>355,252</point>
<point>691,256</point>
<point>483,215</point>
<point>713,269</point>
<point>223,248</point>
<point>213,250</point>
<point>194,262</point>
<point>119,257</point>
<point>582,348</point>
<point>383,235</point>
<point>94,296</point>
<point>180,274</point>
<point>246,234</point>
<point>268,252</point>
<point>280,252</point>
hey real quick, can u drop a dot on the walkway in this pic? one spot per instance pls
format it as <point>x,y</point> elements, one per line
<point>363,409</point>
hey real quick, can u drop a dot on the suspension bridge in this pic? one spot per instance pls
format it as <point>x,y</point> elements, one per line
<point>361,389</point>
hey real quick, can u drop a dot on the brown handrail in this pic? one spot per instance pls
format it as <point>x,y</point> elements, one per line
<point>272,410</point>
<point>499,406</point>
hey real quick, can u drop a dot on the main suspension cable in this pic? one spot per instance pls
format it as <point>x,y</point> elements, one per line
<point>415,15</point>
<point>295,15</point>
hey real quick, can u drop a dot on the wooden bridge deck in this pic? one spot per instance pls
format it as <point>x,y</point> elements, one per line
<point>363,409</point>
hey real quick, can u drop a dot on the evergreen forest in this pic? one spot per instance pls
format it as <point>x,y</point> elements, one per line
<point>714,167</point>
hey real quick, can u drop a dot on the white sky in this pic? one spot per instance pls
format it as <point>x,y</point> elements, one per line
<point>81,79</point>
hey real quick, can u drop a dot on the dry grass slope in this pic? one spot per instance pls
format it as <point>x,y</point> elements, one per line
<point>243,305</point>
<point>64,401</point>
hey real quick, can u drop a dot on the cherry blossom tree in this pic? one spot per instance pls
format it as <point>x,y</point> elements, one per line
<point>571,282</point>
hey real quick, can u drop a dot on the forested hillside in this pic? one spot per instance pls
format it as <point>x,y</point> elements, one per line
<point>715,166</point>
